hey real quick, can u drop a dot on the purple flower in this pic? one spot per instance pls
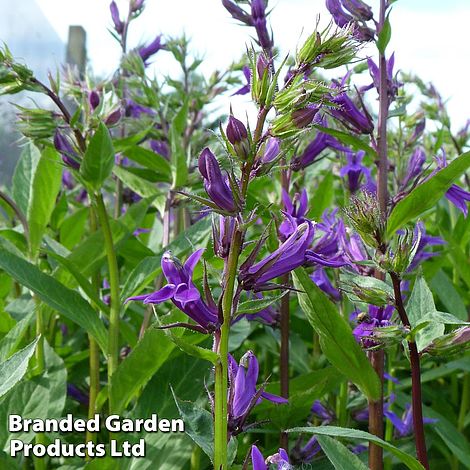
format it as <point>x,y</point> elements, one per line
<point>243,394</point>
<point>289,256</point>
<point>135,110</point>
<point>222,233</point>
<point>161,147</point>
<point>320,278</point>
<point>354,170</point>
<point>237,12</point>
<point>271,150</point>
<point>113,118</point>
<point>404,425</point>
<point>415,166</point>
<point>295,211</point>
<point>340,17</point>
<point>67,180</point>
<point>303,117</point>
<point>69,156</point>
<point>376,318</point>
<point>424,242</point>
<point>323,413</point>
<point>182,292</point>
<point>137,5</point>
<point>216,185</point>
<point>321,142</point>
<point>245,89</point>
<point>258,14</point>
<point>258,462</point>
<point>76,394</point>
<point>456,195</point>
<point>392,83</point>
<point>348,113</point>
<point>358,9</point>
<point>118,24</point>
<point>148,51</point>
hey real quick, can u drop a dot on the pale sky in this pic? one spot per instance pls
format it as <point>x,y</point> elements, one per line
<point>430,37</point>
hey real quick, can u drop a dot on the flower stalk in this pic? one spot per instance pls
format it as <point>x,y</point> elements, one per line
<point>417,405</point>
<point>113,335</point>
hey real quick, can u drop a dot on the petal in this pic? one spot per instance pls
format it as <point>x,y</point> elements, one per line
<point>191,262</point>
<point>274,398</point>
<point>165,293</point>
<point>185,294</point>
<point>257,459</point>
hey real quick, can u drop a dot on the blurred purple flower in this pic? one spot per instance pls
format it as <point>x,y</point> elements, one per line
<point>76,394</point>
<point>93,99</point>
<point>424,242</point>
<point>237,12</point>
<point>182,292</point>
<point>118,24</point>
<point>258,14</point>
<point>354,170</point>
<point>415,166</point>
<point>135,110</point>
<point>67,179</point>
<point>321,279</point>
<point>68,154</point>
<point>281,459</point>
<point>245,89</point>
<point>392,83</point>
<point>161,147</point>
<point>148,51</point>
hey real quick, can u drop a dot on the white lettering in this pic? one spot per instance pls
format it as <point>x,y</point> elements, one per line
<point>14,423</point>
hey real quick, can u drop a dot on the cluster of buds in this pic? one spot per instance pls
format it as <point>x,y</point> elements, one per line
<point>367,219</point>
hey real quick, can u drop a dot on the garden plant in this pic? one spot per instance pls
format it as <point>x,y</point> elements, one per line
<point>282,286</point>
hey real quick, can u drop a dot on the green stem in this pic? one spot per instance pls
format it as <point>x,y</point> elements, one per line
<point>40,331</point>
<point>341,404</point>
<point>94,349</point>
<point>221,368</point>
<point>113,334</point>
<point>465,402</point>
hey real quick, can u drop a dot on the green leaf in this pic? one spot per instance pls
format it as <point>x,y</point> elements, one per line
<point>45,186</point>
<point>14,368</point>
<point>151,160</point>
<point>255,305</point>
<point>384,36</point>
<point>339,455</point>
<point>38,398</point>
<point>139,366</point>
<point>336,339</point>
<point>420,305</point>
<point>10,342</point>
<point>23,176</point>
<point>179,167</point>
<point>347,433</point>
<point>426,195</point>
<point>322,198</point>
<point>199,425</point>
<point>192,349</point>
<point>66,301</point>
<point>448,295</point>
<point>98,161</point>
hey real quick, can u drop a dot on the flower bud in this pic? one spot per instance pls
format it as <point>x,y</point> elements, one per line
<point>118,24</point>
<point>236,131</point>
<point>113,118</point>
<point>69,156</point>
<point>93,99</point>
<point>262,65</point>
<point>304,117</point>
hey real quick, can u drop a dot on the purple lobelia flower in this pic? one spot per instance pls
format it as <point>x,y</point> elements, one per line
<point>415,166</point>
<point>152,48</point>
<point>245,89</point>
<point>340,17</point>
<point>161,147</point>
<point>320,411</point>
<point>258,14</point>
<point>271,150</point>
<point>404,425</point>
<point>237,12</point>
<point>67,179</point>
<point>392,83</point>
<point>281,459</point>
<point>455,194</point>
<point>222,232</point>
<point>216,185</point>
<point>360,10</point>
<point>425,241</point>
<point>354,170</point>
<point>321,279</point>
<point>243,394</point>
<point>76,394</point>
<point>68,154</point>
<point>348,113</point>
<point>135,110</point>
<point>93,99</point>
<point>376,318</point>
<point>183,293</point>
<point>304,117</point>
<point>321,142</point>
<point>352,12</point>
<point>289,256</point>
<point>295,211</point>
<point>118,24</point>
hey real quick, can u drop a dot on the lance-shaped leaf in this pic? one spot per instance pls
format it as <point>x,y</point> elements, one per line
<point>98,161</point>
<point>336,339</point>
<point>66,301</point>
<point>426,195</point>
